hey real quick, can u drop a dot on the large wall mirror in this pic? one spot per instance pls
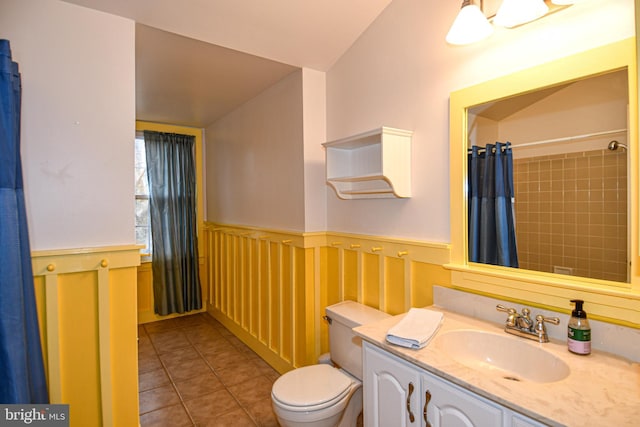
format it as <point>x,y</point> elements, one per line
<point>569,149</point>
<point>572,126</point>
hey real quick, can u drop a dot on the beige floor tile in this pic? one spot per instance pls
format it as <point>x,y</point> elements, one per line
<point>157,398</point>
<point>236,374</point>
<point>265,369</point>
<point>168,341</point>
<point>225,359</point>
<point>148,363</point>
<point>237,418</point>
<point>224,331</point>
<point>179,356</point>
<point>252,390</point>
<point>214,346</point>
<point>211,406</point>
<point>187,369</point>
<point>202,333</point>
<point>246,350</point>
<point>145,347</point>
<point>237,343</point>
<point>198,386</point>
<point>152,379</point>
<point>262,413</point>
<point>194,372</point>
<point>170,416</point>
<point>144,340</point>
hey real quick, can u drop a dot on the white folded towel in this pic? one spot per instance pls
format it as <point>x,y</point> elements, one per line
<point>415,329</point>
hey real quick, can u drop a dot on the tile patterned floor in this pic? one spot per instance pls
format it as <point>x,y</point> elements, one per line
<point>194,372</point>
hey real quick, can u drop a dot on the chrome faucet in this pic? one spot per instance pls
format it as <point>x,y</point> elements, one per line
<point>521,324</point>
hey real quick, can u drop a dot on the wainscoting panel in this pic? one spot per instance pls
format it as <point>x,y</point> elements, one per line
<point>87,312</point>
<point>271,287</point>
<point>256,282</point>
<point>391,275</point>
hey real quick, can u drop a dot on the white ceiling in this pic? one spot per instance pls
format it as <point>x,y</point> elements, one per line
<point>231,49</point>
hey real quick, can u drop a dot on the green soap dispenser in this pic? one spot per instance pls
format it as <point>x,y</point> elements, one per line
<point>579,331</point>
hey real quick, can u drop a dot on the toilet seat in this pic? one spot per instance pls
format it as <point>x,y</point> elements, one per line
<point>311,388</point>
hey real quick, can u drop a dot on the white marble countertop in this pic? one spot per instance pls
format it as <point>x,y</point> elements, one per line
<point>600,390</point>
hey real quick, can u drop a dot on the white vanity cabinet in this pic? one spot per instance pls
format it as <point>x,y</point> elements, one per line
<point>448,405</point>
<point>391,390</point>
<point>397,393</point>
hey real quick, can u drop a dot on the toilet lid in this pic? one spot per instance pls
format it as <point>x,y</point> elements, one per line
<point>311,386</point>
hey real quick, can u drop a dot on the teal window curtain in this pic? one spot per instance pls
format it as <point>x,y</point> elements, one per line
<point>492,235</point>
<point>172,204</point>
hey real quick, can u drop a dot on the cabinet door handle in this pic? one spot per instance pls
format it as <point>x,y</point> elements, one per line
<point>411,417</point>
<point>427,398</point>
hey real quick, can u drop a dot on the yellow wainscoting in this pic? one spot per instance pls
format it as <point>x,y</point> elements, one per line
<point>271,287</point>
<point>86,302</point>
<point>257,288</point>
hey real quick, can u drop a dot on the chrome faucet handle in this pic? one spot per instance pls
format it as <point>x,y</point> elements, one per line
<point>540,319</point>
<point>501,307</point>
<point>541,329</point>
<point>513,314</point>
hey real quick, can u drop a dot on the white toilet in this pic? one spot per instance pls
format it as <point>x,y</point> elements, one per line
<point>323,395</point>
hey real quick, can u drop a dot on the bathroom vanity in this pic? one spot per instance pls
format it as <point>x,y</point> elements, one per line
<point>473,373</point>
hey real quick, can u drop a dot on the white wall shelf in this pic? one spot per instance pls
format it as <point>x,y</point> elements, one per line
<point>374,164</point>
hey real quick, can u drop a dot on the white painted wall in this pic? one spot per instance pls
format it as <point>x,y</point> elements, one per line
<point>589,106</point>
<point>255,161</point>
<point>263,159</point>
<point>400,73</point>
<point>314,123</point>
<point>78,121</point>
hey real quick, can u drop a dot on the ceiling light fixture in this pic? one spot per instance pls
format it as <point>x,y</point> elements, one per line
<point>471,25</point>
<point>517,12</point>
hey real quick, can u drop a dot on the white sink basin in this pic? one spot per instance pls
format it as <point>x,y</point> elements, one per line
<point>510,357</point>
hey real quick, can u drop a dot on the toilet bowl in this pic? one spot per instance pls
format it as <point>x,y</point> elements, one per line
<point>334,398</point>
<point>323,395</point>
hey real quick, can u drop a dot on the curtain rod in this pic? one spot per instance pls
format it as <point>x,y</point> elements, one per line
<point>564,139</point>
<point>569,138</point>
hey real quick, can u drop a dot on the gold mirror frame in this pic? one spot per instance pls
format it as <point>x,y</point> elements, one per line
<point>611,301</point>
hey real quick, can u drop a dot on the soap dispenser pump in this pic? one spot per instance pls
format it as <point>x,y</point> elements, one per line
<point>579,331</point>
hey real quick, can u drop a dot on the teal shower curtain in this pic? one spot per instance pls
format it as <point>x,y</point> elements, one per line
<point>492,235</point>
<point>172,204</point>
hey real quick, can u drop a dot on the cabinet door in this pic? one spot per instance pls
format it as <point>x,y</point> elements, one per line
<point>391,390</point>
<point>448,405</point>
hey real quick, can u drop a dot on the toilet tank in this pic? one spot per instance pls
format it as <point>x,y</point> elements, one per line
<point>344,345</point>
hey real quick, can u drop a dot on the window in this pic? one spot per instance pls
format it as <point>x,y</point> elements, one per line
<point>143,219</point>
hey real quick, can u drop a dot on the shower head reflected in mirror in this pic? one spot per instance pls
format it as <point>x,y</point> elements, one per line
<point>614,145</point>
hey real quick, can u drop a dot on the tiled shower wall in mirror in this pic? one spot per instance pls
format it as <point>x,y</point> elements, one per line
<point>571,213</point>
